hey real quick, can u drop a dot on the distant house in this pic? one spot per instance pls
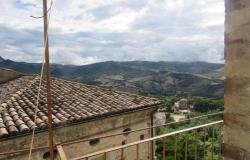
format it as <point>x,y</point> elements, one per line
<point>182,105</point>
<point>79,111</point>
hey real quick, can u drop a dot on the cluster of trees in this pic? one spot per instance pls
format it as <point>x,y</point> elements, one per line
<point>212,143</point>
<point>169,146</point>
<point>168,102</point>
<point>202,104</point>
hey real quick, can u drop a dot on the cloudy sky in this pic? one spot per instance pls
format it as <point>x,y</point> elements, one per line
<point>89,31</point>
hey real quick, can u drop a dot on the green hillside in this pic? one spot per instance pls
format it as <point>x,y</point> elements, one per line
<point>163,78</point>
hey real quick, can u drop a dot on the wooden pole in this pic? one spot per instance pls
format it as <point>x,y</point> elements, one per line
<point>47,72</point>
<point>164,148</point>
<point>175,147</point>
<point>195,144</point>
<point>61,152</point>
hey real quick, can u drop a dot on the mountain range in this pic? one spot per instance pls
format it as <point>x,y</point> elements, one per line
<point>144,77</point>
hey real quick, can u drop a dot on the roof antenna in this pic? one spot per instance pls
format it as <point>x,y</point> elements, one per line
<point>47,72</point>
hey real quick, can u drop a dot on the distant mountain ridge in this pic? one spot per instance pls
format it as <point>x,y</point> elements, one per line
<point>165,78</point>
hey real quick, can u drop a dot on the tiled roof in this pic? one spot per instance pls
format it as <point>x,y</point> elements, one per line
<point>70,101</point>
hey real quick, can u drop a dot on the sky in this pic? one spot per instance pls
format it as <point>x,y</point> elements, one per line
<point>89,31</point>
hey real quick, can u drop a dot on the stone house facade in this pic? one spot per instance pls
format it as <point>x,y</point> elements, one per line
<point>79,112</point>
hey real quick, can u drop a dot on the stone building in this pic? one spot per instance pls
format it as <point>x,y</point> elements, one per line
<point>79,111</point>
<point>182,105</point>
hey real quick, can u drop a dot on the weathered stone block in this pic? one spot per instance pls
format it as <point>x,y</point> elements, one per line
<point>236,52</point>
<point>236,137</point>
<point>237,34</point>
<point>232,5</point>
<point>234,153</point>
<point>237,104</point>
<point>232,68</point>
<point>237,18</point>
<point>239,86</point>
<point>237,121</point>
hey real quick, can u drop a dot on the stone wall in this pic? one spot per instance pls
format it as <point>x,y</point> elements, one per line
<point>99,127</point>
<point>236,133</point>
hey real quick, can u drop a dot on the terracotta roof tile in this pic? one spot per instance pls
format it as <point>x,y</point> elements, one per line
<point>70,102</point>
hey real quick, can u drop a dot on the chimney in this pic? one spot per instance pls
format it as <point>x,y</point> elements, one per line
<point>8,74</point>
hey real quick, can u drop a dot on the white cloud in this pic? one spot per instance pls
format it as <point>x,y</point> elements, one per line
<point>96,30</point>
